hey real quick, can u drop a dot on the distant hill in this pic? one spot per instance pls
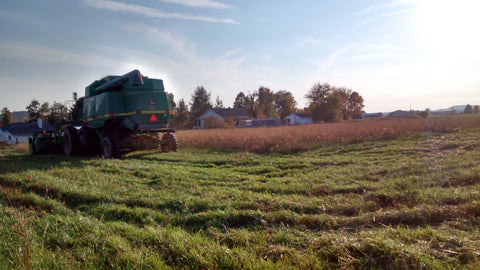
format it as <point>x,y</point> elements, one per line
<point>456,108</point>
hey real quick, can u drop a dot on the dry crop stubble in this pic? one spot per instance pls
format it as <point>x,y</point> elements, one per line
<point>291,139</point>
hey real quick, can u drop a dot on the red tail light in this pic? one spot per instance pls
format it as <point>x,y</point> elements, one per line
<point>168,111</point>
<point>153,118</point>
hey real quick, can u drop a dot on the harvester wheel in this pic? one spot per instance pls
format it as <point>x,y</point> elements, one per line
<point>109,147</point>
<point>169,142</point>
<point>70,141</point>
<point>89,141</point>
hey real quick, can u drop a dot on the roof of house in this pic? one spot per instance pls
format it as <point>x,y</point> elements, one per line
<point>236,113</point>
<point>26,128</point>
<point>302,115</point>
<point>232,112</point>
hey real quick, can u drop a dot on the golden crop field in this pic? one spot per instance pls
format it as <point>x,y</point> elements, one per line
<point>289,139</point>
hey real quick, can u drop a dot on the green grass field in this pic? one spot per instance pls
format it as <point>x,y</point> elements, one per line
<point>409,203</point>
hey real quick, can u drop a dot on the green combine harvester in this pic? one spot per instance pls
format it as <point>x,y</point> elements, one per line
<point>118,114</point>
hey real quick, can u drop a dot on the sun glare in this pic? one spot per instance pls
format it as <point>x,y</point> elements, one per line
<point>449,28</point>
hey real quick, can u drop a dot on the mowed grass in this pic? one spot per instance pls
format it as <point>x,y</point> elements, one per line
<point>407,203</point>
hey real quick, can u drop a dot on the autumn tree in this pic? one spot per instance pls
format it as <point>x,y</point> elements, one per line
<point>265,100</point>
<point>7,117</point>
<point>353,103</point>
<point>331,104</point>
<point>476,109</point>
<point>284,103</point>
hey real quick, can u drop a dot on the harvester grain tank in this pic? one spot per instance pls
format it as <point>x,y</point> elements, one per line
<point>119,114</point>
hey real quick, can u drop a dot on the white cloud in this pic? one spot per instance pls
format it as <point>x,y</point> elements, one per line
<point>199,3</point>
<point>387,14</point>
<point>52,55</point>
<point>150,12</point>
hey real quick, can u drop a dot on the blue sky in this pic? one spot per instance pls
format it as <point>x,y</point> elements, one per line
<point>398,54</point>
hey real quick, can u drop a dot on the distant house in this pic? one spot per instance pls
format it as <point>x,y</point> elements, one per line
<point>238,116</point>
<point>372,115</point>
<point>401,113</point>
<point>19,132</point>
<point>297,119</point>
<point>266,122</point>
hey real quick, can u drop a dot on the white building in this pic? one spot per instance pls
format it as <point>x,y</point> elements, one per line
<point>239,117</point>
<point>19,132</point>
<point>297,119</point>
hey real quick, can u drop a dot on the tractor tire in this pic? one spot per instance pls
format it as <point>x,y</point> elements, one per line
<point>169,142</point>
<point>70,141</point>
<point>89,141</point>
<point>31,147</point>
<point>109,147</point>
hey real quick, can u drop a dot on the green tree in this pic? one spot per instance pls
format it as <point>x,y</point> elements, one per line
<point>318,93</point>
<point>171,100</point>
<point>6,116</point>
<point>181,115</point>
<point>57,112</point>
<point>284,103</point>
<point>240,101</point>
<point>334,108</point>
<point>250,104</point>
<point>354,106</point>
<point>218,103</point>
<point>33,110</point>
<point>468,109</point>
<point>44,110</point>
<point>199,103</point>
<point>265,100</point>
<point>327,102</point>
<point>260,104</point>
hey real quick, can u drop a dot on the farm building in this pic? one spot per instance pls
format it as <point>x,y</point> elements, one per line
<point>372,115</point>
<point>297,119</point>
<point>19,132</point>
<point>266,122</point>
<point>238,116</point>
<point>400,113</point>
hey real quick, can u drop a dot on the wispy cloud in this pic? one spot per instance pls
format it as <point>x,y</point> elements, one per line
<point>150,12</point>
<point>198,3</point>
<point>309,41</point>
<point>386,9</point>
<point>387,14</point>
<point>51,55</point>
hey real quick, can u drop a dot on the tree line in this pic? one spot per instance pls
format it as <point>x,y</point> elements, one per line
<point>52,113</point>
<point>325,103</point>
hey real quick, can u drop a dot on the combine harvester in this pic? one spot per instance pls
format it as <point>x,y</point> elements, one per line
<point>118,114</point>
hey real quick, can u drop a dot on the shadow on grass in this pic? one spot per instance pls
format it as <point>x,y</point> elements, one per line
<point>15,162</point>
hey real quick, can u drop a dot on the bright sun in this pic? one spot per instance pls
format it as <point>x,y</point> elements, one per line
<point>449,28</point>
